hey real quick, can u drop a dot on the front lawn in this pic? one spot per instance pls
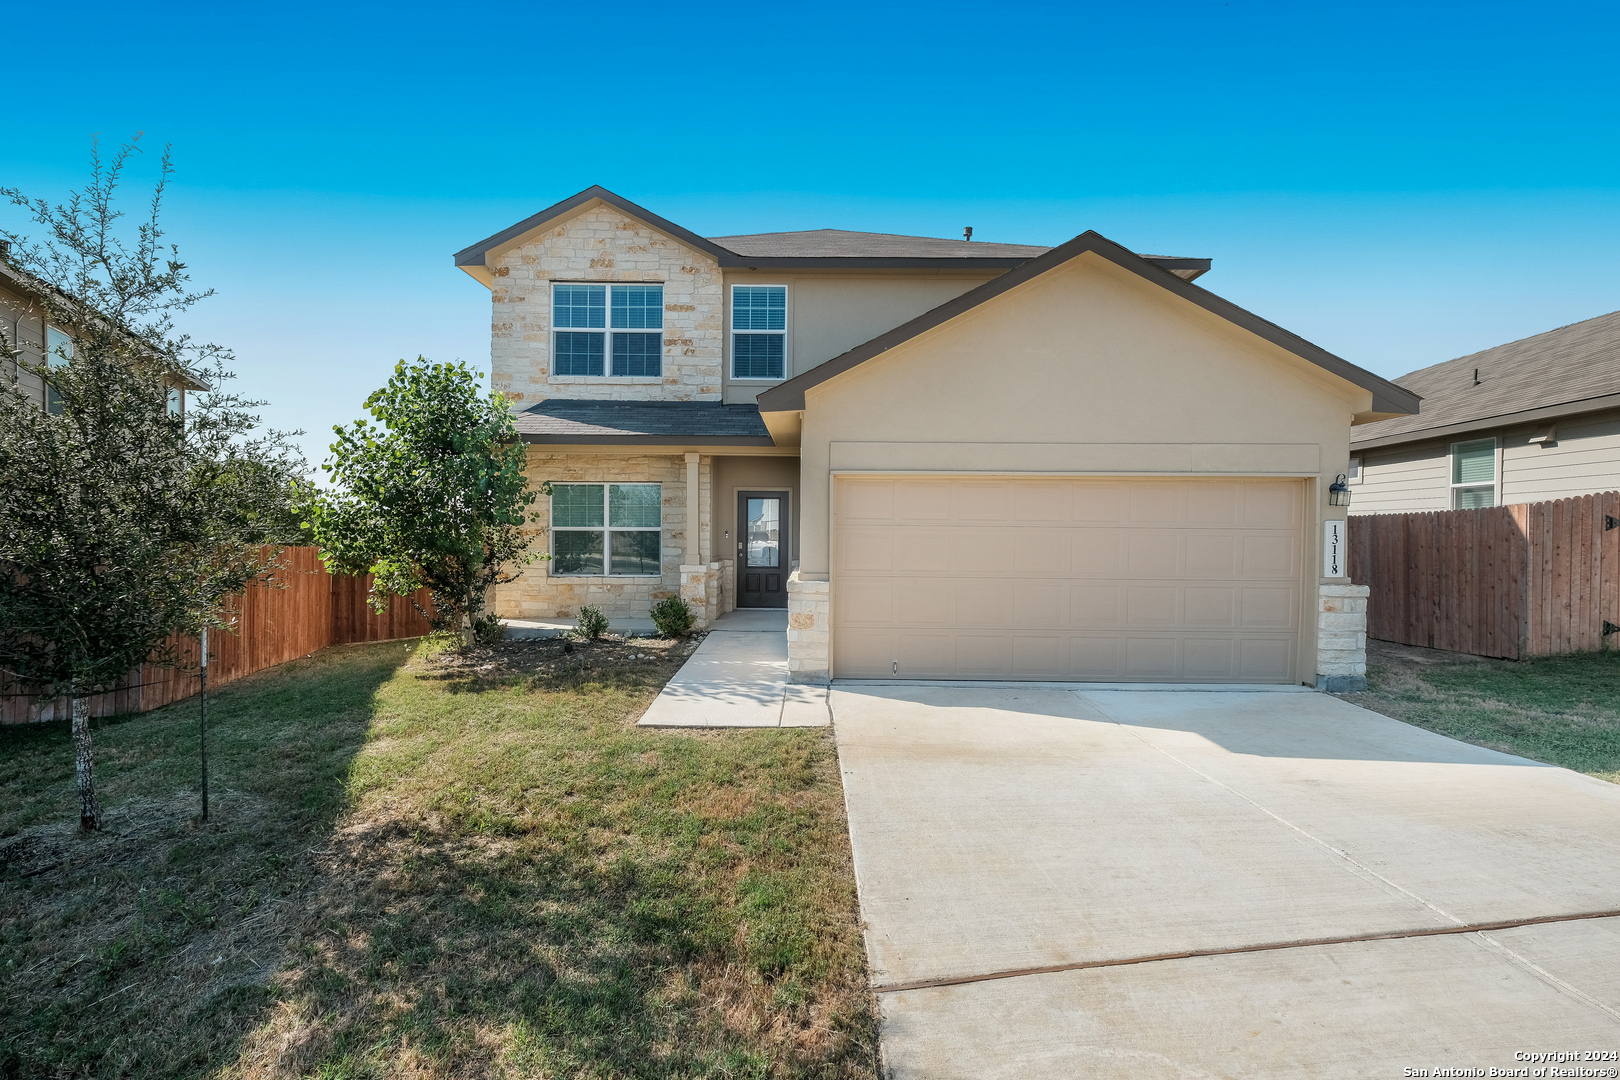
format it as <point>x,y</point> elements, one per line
<point>1564,710</point>
<point>425,868</point>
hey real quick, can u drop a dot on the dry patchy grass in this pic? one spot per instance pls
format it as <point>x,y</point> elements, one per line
<point>434,865</point>
<point>1564,710</point>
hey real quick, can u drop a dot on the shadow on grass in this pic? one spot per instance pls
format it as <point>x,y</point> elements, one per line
<point>146,949</point>
<point>482,873</point>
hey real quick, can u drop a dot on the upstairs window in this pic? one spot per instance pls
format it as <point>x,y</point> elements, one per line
<point>607,529</point>
<point>607,329</point>
<point>58,353</point>
<point>1473,474</point>
<point>758,331</point>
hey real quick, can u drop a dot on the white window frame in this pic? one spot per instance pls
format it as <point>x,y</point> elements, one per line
<point>607,331</point>
<point>731,324</point>
<point>1496,470</point>
<point>607,529</point>
<point>1357,465</point>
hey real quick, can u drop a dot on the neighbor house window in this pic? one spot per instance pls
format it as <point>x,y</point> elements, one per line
<point>1354,473</point>
<point>607,329</point>
<point>58,353</point>
<point>606,529</point>
<point>1473,474</point>
<point>177,404</point>
<point>758,331</point>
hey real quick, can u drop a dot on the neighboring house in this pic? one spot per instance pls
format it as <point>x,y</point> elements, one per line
<point>1528,421</point>
<point>946,458</point>
<point>23,323</point>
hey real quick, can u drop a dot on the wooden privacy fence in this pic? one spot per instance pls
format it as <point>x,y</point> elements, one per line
<point>1532,579</point>
<point>274,625</point>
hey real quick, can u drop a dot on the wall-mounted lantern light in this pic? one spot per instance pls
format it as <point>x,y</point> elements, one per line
<point>1339,492</point>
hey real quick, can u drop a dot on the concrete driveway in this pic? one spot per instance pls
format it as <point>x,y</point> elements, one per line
<point>1365,897</point>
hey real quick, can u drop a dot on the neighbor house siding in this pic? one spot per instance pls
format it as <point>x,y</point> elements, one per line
<point>1403,479</point>
<point>1416,477</point>
<point>23,325</point>
<point>601,245</point>
<point>1586,459</point>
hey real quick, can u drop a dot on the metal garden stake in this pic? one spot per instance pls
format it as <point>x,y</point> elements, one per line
<point>202,723</point>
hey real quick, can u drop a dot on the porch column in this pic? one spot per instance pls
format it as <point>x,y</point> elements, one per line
<point>694,512</point>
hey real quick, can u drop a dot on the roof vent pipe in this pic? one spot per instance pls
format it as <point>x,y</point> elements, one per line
<point>967,233</point>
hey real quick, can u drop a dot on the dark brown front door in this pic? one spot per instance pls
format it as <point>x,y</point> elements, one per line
<point>762,548</point>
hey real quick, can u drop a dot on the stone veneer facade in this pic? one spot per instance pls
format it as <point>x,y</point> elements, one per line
<point>602,245</point>
<point>538,594</point>
<point>809,629</point>
<point>1341,638</point>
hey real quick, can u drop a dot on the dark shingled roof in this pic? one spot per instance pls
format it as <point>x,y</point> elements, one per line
<point>1559,372</point>
<point>571,420</point>
<point>843,244</point>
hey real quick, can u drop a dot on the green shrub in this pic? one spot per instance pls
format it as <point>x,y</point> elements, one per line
<point>488,630</point>
<point>672,617</point>
<point>592,623</point>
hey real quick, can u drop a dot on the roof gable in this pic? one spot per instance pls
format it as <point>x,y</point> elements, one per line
<point>475,256</point>
<point>1387,397</point>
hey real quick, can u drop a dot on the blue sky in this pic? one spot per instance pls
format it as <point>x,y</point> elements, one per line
<point>1400,183</point>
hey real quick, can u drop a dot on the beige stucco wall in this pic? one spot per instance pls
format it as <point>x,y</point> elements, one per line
<point>599,244</point>
<point>1417,476</point>
<point>734,474</point>
<point>1086,370</point>
<point>831,312</point>
<point>538,594</point>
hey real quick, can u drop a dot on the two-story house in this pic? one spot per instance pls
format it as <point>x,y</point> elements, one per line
<point>25,327</point>
<point>946,458</point>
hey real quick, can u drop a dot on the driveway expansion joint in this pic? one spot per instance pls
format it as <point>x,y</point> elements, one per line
<point>1235,950</point>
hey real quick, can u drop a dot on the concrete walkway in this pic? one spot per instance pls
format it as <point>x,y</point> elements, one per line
<point>738,678</point>
<point>1036,865</point>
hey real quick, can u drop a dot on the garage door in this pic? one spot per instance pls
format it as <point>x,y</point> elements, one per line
<point>1128,580</point>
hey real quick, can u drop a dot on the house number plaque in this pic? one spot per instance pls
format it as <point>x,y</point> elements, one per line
<point>1333,549</point>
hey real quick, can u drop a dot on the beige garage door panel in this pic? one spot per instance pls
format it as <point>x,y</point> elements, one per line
<point>1174,580</point>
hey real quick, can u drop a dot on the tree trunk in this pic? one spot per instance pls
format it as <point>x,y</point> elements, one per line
<point>85,765</point>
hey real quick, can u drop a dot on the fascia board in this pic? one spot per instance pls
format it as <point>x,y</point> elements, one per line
<point>1524,416</point>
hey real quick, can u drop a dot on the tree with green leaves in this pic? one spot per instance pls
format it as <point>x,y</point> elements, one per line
<point>431,494</point>
<point>123,520</point>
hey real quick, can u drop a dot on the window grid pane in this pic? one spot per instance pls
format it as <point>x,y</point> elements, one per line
<point>576,552</point>
<point>636,553</point>
<point>1472,498</point>
<point>583,306</point>
<point>1474,462</point>
<point>638,307</point>
<point>756,356</point>
<point>638,354</point>
<point>577,354</point>
<point>635,506</point>
<point>759,307</point>
<point>576,506</point>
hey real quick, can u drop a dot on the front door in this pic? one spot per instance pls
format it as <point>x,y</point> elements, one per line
<point>762,548</point>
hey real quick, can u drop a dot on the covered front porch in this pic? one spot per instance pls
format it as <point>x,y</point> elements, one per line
<point>648,500</point>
